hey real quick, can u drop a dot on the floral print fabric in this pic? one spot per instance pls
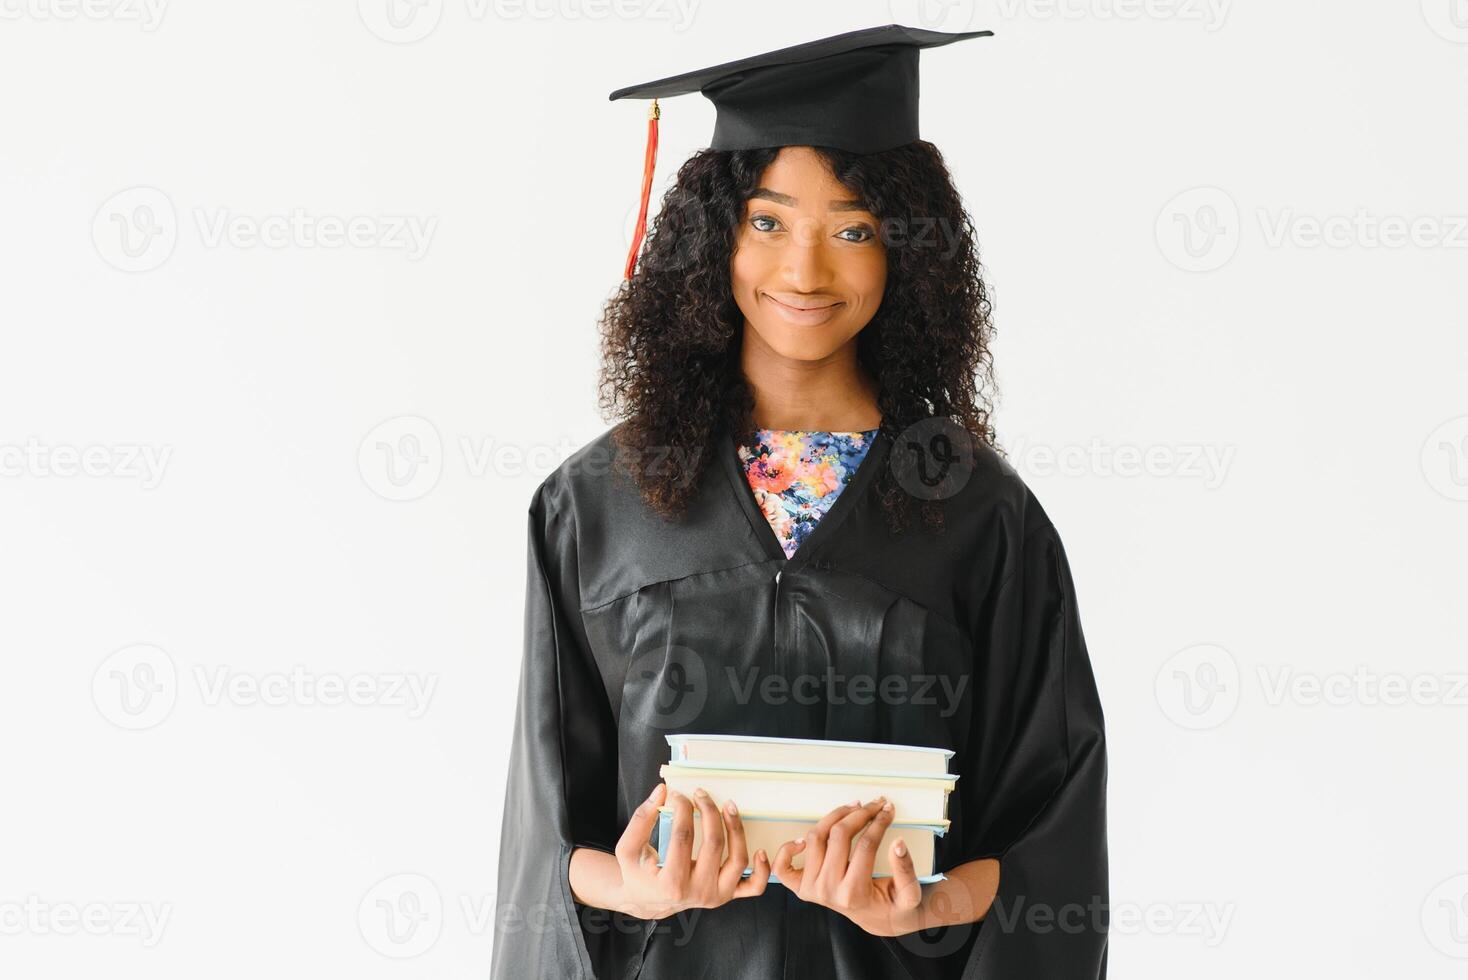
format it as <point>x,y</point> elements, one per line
<point>797,474</point>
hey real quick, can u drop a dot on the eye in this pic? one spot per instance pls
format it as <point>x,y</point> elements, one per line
<point>863,233</point>
<point>755,221</point>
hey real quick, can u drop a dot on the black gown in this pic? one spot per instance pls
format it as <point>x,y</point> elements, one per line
<point>636,627</point>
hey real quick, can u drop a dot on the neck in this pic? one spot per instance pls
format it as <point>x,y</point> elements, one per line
<point>831,394</point>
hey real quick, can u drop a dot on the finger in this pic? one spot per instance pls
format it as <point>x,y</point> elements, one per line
<point>789,876</point>
<point>907,891</point>
<point>733,870</point>
<point>864,852</point>
<point>758,878</point>
<point>824,825</point>
<point>838,844</point>
<point>711,850</point>
<point>815,842</point>
<point>680,845</point>
<point>633,847</point>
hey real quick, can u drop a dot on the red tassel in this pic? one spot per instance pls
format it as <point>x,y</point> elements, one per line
<point>647,168</point>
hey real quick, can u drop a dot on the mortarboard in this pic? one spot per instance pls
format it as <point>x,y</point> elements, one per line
<point>856,91</point>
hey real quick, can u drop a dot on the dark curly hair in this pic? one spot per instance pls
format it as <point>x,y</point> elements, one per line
<point>671,334</point>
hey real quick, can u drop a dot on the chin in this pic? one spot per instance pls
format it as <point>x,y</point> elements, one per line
<point>802,344</point>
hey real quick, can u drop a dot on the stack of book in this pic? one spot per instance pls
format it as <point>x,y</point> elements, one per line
<point>784,786</point>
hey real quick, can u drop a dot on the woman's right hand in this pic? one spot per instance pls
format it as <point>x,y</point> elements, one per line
<point>683,882</point>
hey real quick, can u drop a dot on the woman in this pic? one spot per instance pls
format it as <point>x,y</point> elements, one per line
<point>811,308</point>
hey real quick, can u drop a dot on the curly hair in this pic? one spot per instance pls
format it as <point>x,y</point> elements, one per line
<point>671,334</point>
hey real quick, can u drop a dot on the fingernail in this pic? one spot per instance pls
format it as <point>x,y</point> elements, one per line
<point>730,808</point>
<point>654,794</point>
<point>887,807</point>
<point>700,793</point>
<point>854,803</point>
<point>760,855</point>
<point>900,848</point>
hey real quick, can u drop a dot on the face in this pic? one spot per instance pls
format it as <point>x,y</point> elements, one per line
<point>809,266</point>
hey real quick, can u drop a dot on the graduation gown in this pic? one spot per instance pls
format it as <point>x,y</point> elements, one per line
<point>636,627</point>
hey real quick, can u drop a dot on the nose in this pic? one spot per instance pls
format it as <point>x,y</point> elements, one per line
<point>805,262</point>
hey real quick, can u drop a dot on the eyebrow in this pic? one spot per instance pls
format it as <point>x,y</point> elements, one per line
<point>788,201</point>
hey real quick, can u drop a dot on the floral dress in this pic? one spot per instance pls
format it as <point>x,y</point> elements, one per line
<point>797,474</point>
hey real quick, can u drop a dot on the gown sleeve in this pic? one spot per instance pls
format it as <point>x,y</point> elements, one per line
<point>560,793</point>
<point>1037,778</point>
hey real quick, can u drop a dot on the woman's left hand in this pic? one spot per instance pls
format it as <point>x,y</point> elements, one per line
<point>887,906</point>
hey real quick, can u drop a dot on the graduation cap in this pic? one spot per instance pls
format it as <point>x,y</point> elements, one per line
<point>856,91</point>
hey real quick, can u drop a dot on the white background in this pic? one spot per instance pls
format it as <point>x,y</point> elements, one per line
<point>203,435</point>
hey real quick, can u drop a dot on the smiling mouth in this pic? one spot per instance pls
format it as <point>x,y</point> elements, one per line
<point>802,309</point>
